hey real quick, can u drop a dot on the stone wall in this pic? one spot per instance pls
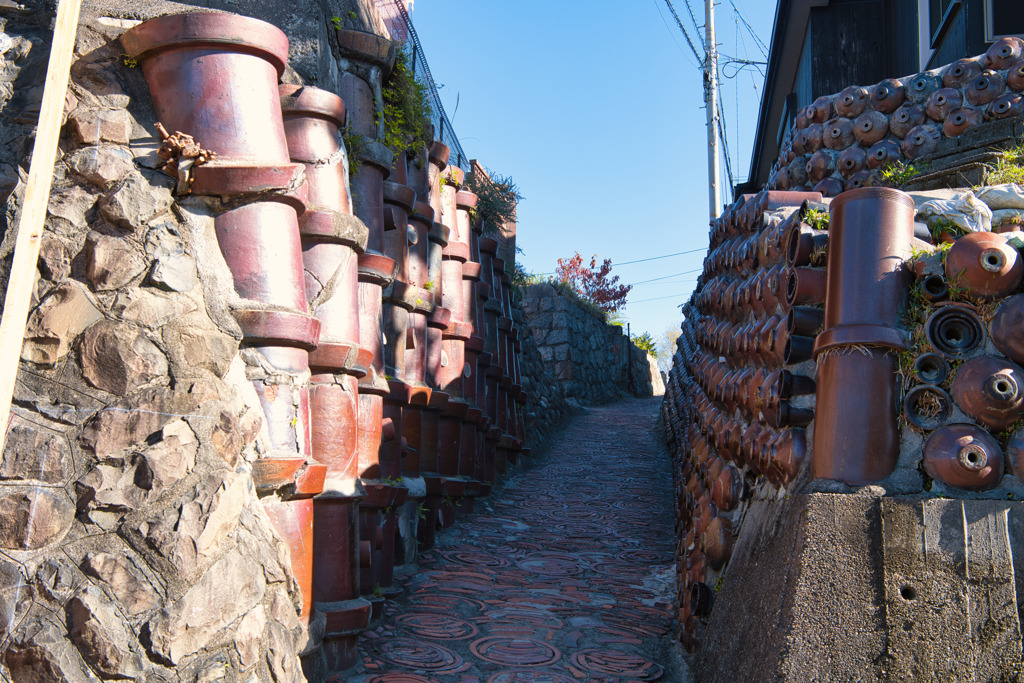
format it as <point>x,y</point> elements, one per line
<point>581,352</point>
<point>134,542</point>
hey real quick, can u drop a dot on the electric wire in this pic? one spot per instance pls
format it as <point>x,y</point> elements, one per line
<point>671,34</point>
<point>696,26</point>
<point>761,46</point>
<point>682,28</point>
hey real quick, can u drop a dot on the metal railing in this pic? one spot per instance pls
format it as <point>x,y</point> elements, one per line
<point>397,19</point>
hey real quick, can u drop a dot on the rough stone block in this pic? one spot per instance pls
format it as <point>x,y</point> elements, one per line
<point>101,166</point>
<point>137,200</point>
<point>93,126</point>
<point>117,357</point>
<point>32,518</point>
<point>231,587</point>
<point>63,315</point>
<point>101,636</point>
<point>132,591</point>
<point>110,262</point>
<point>35,452</point>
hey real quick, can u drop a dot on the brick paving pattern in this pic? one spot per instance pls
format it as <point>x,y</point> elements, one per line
<point>565,574</point>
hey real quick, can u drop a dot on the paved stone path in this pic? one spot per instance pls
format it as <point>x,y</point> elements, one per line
<point>564,575</point>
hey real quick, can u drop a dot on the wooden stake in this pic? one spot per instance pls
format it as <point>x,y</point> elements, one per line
<point>33,211</point>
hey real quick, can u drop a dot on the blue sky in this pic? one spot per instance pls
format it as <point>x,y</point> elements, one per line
<point>597,113</point>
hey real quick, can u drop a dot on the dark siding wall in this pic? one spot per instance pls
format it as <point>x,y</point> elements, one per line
<point>902,32</point>
<point>849,46</point>
<point>802,85</point>
<point>965,36</point>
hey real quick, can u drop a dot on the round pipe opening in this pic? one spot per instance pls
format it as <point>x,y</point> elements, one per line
<point>931,368</point>
<point>954,331</point>
<point>935,287</point>
<point>1003,388</point>
<point>972,457</point>
<point>993,260</point>
<point>927,407</point>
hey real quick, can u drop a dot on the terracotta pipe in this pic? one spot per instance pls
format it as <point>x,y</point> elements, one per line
<point>904,119</point>
<point>1003,53</point>
<point>954,330</point>
<point>934,287</point>
<point>805,286</point>
<point>964,456</point>
<point>806,321</point>
<point>887,96</point>
<point>803,244</point>
<point>931,368</point>
<point>214,76</point>
<point>856,435</point>
<point>332,240</point>
<point>927,406</point>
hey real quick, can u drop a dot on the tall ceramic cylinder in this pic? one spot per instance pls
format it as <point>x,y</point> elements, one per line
<point>856,436</point>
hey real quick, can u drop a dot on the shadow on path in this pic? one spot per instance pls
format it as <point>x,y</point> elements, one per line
<point>566,574</point>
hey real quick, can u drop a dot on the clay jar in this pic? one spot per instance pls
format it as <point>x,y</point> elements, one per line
<point>964,456</point>
<point>985,265</point>
<point>991,390</point>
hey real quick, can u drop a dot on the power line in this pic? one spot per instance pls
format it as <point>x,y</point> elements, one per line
<point>645,260</point>
<point>761,46</point>
<point>683,29</point>
<point>696,26</point>
<point>669,29</point>
<point>659,298</point>
<point>665,277</point>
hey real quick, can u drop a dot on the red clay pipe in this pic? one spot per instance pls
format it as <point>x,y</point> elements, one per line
<point>332,240</point>
<point>806,321</point>
<point>931,368</point>
<point>856,436</point>
<point>805,286</point>
<point>955,329</point>
<point>964,456</point>
<point>927,406</point>
<point>991,390</point>
<point>934,288</point>
<point>804,244</point>
<point>214,76</point>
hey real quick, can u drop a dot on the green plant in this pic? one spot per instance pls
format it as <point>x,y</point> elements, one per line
<point>352,15</point>
<point>129,62</point>
<point>421,511</point>
<point>645,342</point>
<point>816,218</point>
<point>1009,167</point>
<point>406,108</point>
<point>497,198</point>
<point>378,590</point>
<point>393,481</point>
<point>336,21</point>
<point>355,148</point>
<point>428,285</point>
<point>898,173</point>
<point>940,225</point>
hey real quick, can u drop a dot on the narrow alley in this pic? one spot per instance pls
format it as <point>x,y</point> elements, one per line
<point>564,574</point>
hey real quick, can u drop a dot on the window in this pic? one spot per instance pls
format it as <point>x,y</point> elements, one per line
<point>1003,18</point>
<point>940,15</point>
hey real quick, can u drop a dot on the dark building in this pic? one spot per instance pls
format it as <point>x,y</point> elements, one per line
<point>821,46</point>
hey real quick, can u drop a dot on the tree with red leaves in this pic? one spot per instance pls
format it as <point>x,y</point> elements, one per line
<point>593,283</point>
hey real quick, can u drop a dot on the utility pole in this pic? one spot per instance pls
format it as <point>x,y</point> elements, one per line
<point>711,102</point>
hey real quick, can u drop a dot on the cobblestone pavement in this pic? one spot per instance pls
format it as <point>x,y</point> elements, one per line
<point>564,575</point>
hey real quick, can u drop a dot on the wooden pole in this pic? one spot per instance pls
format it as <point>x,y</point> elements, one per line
<point>33,211</point>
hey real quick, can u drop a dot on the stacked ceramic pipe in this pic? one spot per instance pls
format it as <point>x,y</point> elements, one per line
<point>967,393</point>
<point>215,77</point>
<point>464,434</point>
<point>843,141</point>
<point>379,432</point>
<point>735,407</point>
<point>332,241</point>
